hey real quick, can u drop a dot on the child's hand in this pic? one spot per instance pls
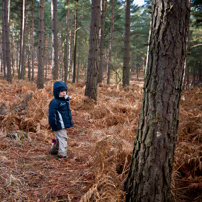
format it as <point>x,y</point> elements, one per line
<point>68,98</point>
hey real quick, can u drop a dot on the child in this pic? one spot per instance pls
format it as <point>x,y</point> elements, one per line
<point>60,118</point>
<point>186,85</point>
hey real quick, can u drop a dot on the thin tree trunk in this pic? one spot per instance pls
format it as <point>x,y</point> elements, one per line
<point>187,74</point>
<point>149,177</point>
<point>194,72</point>
<point>1,52</point>
<point>54,40</point>
<point>185,63</point>
<point>85,71</point>
<point>110,45</point>
<point>126,59</point>
<point>61,59</point>
<point>47,56</point>
<point>4,37</point>
<point>9,62</point>
<point>137,69</point>
<point>75,44</point>
<point>103,13</point>
<point>28,63</point>
<point>32,40</point>
<point>17,56</point>
<point>9,11</point>
<point>7,42</point>
<point>13,48</point>
<point>9,75</point>
<point>40,80</point>
<point>77,74</point>
<point>93,57</point>
<point>66,63</point>
<point>23,41</point>
<point>69,56</point>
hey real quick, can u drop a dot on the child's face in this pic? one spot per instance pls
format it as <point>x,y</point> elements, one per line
<point>62,93</point>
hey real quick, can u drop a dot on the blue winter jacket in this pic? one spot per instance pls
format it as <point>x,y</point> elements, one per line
<point>59,112</point>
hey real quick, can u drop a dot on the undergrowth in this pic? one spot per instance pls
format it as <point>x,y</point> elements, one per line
<point>100,144</point>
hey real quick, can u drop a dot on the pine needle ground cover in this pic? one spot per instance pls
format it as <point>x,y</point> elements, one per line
<point>100,144</point>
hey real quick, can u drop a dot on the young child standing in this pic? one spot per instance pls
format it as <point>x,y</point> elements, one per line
<point>60,118</point>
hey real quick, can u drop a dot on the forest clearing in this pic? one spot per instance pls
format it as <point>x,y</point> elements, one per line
<point>100,144</point>
<point>134,81</point>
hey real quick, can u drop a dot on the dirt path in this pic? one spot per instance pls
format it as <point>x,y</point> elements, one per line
<point>29,173</point>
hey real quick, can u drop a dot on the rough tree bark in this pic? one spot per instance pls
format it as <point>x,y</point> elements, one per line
<point>93,57</point>
<point>6,31</point>
<point>150,172</point>
<point>9,75</point>
<point>33,40</point>
<point>23,41</point>
<point>40,78</point>
<point>126,58</point>
<point>28,57</point>
<point>54,40</point>
<point>69,56</point>
<point>103,13</point>
<point>110,45</point>
<point>1,70</point>
<point>75,46</point>
<point>4,38</point>
<point>66,44</point>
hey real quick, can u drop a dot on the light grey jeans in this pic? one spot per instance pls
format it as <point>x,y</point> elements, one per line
<point>61,145</point>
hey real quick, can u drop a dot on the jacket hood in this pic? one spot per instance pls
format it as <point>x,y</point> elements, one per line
<point>59,86</point>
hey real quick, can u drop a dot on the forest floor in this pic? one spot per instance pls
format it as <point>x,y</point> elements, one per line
<point>100,144</point>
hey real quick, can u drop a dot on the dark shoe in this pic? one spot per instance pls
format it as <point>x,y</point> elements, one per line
<point>53,152</point>
<point>60,156</point>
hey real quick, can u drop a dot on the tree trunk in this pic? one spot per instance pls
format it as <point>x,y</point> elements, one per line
<point>7,41</point>
<point>23,41</point>
<point>78,67</point>
<point>17,57</point>
<point>93,57</point>
<point>187,74</point>
<point>54,40</point>
<point>28,63</point>
<point>110,46</point>
<point>13,48</point>
<point>1,52</point>
<point>126,58</point>
<point>40,79</point>
<point>66,61</point>
<point>9,75</point>
<point>137,68</point>
<point>194,72</point>
<point>9,11</point>
<point>61,58</point>
<point>103,13</point>
<point>85,71</point>
<point>4,38</point>
<point>47,56</point>
<point>33,40</point>
<point>69,56</point>
<point>150,172</point>
<point>75,44</point>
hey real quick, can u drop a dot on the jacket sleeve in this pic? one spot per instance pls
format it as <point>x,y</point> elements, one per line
<point>52,113</point>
